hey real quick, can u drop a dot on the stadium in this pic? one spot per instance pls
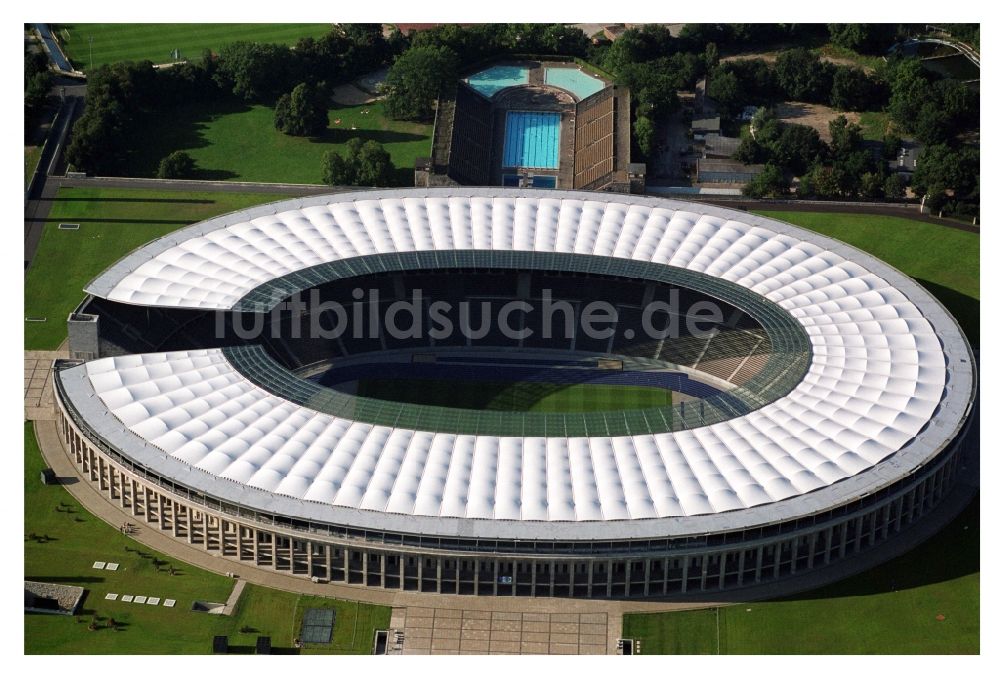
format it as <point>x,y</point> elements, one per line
<point>820,410</point>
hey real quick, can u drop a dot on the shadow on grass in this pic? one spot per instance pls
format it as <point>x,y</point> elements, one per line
<point>69,579</point>
<point>965,308</point>
<point>137,200</point>
<point>339,135</point>
<point>149,221</point>
<point>950,554</point>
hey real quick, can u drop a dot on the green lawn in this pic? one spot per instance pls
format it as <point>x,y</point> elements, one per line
<point>944,260</point>
<point>31,156</point>
<point>74,539</point>
<point>514,396</point>
<point>874,125</point>
<point>236,141</point>
<point>112,223</point>
<point>890,609</point>
<point>140,41</point>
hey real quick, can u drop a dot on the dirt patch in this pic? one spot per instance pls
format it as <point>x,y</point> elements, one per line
<point>812,115</point>
<point>771,57</point>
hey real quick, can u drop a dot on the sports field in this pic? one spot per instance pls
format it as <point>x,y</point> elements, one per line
<point>513,396</point>
<point>156,42</point>
<point>62,541</point>
<point>894,608</point>
<point>235,141</point>
<point>112,223</point>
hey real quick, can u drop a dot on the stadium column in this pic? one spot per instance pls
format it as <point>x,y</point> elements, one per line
<point>100,472</point>
<point>190,513</point>
<point>647,567</point>
<point>439,563</point>
<point>684,575</point>
<point>828,539</point>
<point>381,567</point>
<point>760,563</point>
<point>628,577</point>
<point>590,578</point>
<point>843,539</point>
<point>741,567</point>
<point>722,570</point>
<point>812,550</point>
<point>364,568</point>
<point>534,572</point>
<point>475,577</point>
<point>858,524</point>
<point>309,558</point>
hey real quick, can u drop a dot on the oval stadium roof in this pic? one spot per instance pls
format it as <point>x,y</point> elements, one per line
<point>889,384</point>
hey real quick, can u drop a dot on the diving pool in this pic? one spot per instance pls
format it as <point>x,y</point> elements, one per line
<point>574,80</point>
<point>531,140</point>
<point>488,82</point>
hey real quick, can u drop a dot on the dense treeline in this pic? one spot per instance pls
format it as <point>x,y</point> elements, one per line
<point>37,82</point>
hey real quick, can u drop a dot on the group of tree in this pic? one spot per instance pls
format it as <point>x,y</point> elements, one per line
<point>415,80</point>
<point>119,96</point>
<point>933,109</point>
<point>797,75</point>
<point>363,163</point>
<point>37,82</point>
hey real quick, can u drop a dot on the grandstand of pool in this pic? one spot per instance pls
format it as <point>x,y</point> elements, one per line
<point>492,80</point>
<point>575,81</point>
<point>531,140</point>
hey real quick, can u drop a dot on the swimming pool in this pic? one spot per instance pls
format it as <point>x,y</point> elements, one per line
<point>574,80</point>
<point>488,82</point>
<point>531,140</point>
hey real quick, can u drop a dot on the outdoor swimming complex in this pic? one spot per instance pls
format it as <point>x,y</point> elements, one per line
<point>533,124</point>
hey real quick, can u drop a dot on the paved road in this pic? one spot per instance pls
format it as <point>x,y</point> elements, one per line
<point>52,48</point>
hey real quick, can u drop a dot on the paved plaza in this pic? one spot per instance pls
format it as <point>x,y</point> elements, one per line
<point>420,630</point>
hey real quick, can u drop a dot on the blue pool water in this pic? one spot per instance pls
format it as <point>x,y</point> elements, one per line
<point>574,80</point>
<point>531,140</point>
<point>488,82</point>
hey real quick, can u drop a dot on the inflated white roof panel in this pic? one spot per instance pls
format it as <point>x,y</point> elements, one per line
<point>877,375</point>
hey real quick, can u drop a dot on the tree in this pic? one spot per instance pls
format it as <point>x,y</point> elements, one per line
<point>867,38</point>
<point>365,163</point>
<point>301,113</point>
<point>872,185</point>
<point>944,168</point>
<point>894,187</point>
<point>853,89</point>
<point>803,76</point>
<point>416,79</point>
<point>727,90</point>
<point>749,151</point>
<point>711,56</point>
<point>845,136</point>
<point>796,146</point>
<point>374,166</point>
<point>177,164</point>
<point>818,181</point>
<point>769,183</point>
<point>644,135</point>
<point>891,145</point>
<point>255,71</point>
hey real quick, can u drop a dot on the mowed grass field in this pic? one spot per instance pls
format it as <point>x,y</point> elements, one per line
<point>112,223</point>
<point>113,42</point>
<point>513,396</point>
<point>892,609</point>
<point>237,141</point>
<point>62,541</point>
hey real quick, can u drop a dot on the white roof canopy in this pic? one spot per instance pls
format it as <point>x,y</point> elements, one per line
<point>879,373</point>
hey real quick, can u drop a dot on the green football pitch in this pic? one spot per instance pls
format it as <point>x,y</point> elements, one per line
<point>516,396</point>
<point>157,42</point>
